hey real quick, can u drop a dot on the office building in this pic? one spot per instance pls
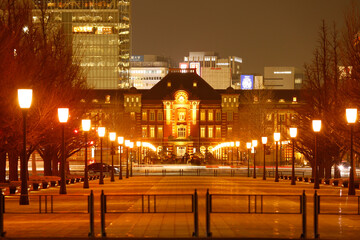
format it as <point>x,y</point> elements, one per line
<point>147,70</point>
<point>220,73</point>
<point>99,31</point>
<point>282,78</point>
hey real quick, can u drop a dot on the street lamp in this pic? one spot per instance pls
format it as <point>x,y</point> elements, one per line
<point>351,116</point>
<point>232,144</point>
<point>121,142</point>
<point>237,144</point>
<point>254,144</point>
<point>138,144</point>
<point>112,136</point>
<point>25,98</point>
<point>63,114</point>
<point>293,133</point>
<point>127,145</point>
<point>131,159</point>
<point>101,133</point>
<point>264,141</point>
<point>316,124</point>
<point>276,139</point>
<point>248,146</point>
<point>86,125</point>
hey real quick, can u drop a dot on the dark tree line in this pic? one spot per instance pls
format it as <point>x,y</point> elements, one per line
<point>36,56</point>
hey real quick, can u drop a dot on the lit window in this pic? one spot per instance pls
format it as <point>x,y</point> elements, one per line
<point>169,84</point>
<point>234,99</point>
<point>181,116</point>
<point>218,132</point>
<point>152,132</point>
<point>229,99</point>
<point>144,116</point>
<point>137,99</point>
<point>160,132</point>
<point>210,115</point>
<point>202,115</point>
<point>229,131</point>
<point>202,132</point>
<point>182,132</point>
<point>195,84</point>
<point>224,99</point>
<point>132,116</point>
<point>144,132</point>
<point>127,99</point>
<point>210,132</point>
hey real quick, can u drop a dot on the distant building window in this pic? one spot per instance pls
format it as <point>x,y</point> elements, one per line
<point>137,99</point>
<point>144,116</point>
<point>132,116</point>
<point>230,116</point>
<point>234,99</point>
<point>229,99</point>
<point>132,99</point>
<point>282,118</point>
<point>181,132</point>
<point>218,116</point>
<point>269,117</point>
<point>160,132</point>
<point>195,84</point>
<point>152,116</point>
<point>127,99</point>
<point>169,84</point>
<point>218,132</point>
<point>181,116</point>
<point>229,131</point>
<point>224,99</point>
<point>210,132</point>
<point>202,115</point>
<point>210,115</point>
<point>152,131</point>
<point>144,132</point>
<point>160,116</point>
<point>202,132</point>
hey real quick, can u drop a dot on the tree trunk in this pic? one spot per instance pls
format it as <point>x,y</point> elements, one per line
<point>2,166</point>
<point>328,171</point>
<point>13,166</point>
<point>55,168</point>
<point>47,164</point>
<point>321,170</point>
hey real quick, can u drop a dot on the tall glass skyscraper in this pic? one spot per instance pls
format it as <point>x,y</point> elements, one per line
<point>100,33</point>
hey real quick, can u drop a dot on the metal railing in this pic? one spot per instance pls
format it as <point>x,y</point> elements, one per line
<point>333,210</point>
<point>244,206</point>
<point>148,203</point>
<point>46,206</point>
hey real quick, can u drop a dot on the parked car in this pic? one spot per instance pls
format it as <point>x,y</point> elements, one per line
<point>96,168</point>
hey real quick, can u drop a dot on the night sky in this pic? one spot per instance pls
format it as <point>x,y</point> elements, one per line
<point>261,32</point>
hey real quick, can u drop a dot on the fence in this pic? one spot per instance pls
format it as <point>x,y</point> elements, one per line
<point>330,209</point>
<point>243,206</point>
<point>141,204</point>
<point>47,205</point>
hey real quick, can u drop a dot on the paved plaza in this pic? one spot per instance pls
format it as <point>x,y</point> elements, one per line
<point>70,218</point>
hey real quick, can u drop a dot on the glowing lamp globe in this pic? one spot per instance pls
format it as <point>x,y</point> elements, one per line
<point>248,145</point>
<point>101,131</point>
<point>120,140</point>
<point>351,115</point>
<point>86,125</point>
<point>264,140</point>
<point>112,136</point>
<point>293,132</point>
<point>25,98</point>
<point>63,114</point>
<point>316,125</point>
<point>254,143</point>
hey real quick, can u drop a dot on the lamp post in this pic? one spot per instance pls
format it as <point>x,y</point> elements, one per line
<point>237,144</point>
<point>112,137</point>
<point>254,145</point>
<point>101,133</point>
<point>276,139</point>
<point>25,98</point>
<point>351,116</point>
<point>293,133</point>
<point>131,159</point>
<point>248,146</point>
<point>127,145</point>
<point>86,124</point>
<point>264,141</point>
<point>121,142</point>
<point>63,114</point>
<point>316,124</point>
<point>232,144</point>
<point>138,144</point>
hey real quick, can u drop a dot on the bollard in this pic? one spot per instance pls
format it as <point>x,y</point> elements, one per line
<point>91,210</point>
<point>2,210</point>
<point>102,213</point>
<point>303,208</point>
<point>316,216</point>
<point>208,207</point>
<point>196,215</point>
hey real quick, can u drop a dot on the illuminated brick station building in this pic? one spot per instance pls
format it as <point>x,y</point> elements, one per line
<point>184,114</point>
